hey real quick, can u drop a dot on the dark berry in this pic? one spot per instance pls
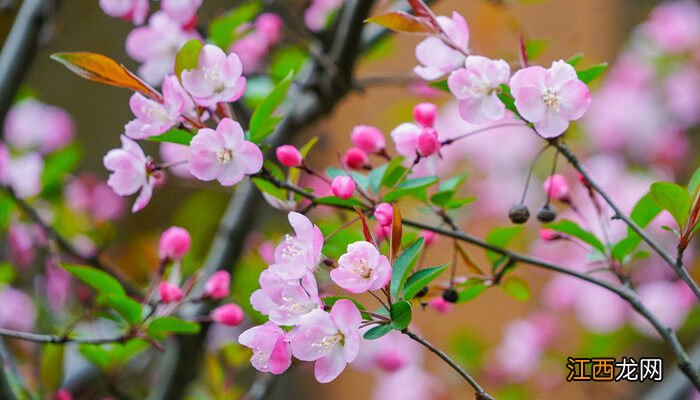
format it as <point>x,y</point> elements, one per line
<point>450,296</point>
<point>519,214</point>
<point>547,213</point>
<point>422,292</point>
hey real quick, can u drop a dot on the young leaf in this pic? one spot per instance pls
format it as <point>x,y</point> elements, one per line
<point>472,291</point>
<point>415,187</point>
<point>500,237</point>
<point>57,165</point>
<point>127,307</point>
<point>188,56</point>
<point>440,85</point>
<point>396,232</point>
<point>642,214</point>
<point>394,172</point>
<point>694,184</point>
<point>99,68</point>
<point>377,332</point>
<point>52,366</point>
<point>590,73</point>
<point>162,326</point>
<point>571,228</point>
<point>96,355</point>
<point>420,279</point>
<point>535,47</point>
<point>375,177</point>
<point>261,125</point>
<point>516,288</point>
<point>403,265</point>
<point>336,201</point>
<point>175,135</point>
<point>295,173</point>
<point>222,29</point>
<point>365,228</point>
<point>401,313</point>
<point>453,183</point>
<point>401,21</point>
<point>98,280</point>
<point>423,11</point>
<point>269,188</point>
<point>672,198</point>
<point>507,98</point>
<point>575,59</point>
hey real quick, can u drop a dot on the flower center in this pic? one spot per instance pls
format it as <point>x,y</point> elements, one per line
<point>225,156</point>
<point>362,269</point>
<point>293,306</point>
<point>214,76</point>
<point>155,112</point>
<point>551,99</point>
<point>292,249</point>
<point>480,89</point>
<point>330,341</point>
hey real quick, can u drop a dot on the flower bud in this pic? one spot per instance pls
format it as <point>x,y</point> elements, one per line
<point>428,143</point>
<point>425,114</point>
<point>556,187</point>
<point>368,138</point>
<point>355,158</point>
<point>428,236</point>
<point>382,232</point>
<point>547,213</point>
<point>288,156</point>
<point>343,187</point>
<point>270,26</point>
<point>174,243</point>
<point>169,293</point>
<point>384,214</point>
<point>217,287</point>
<point>549,235</point>
<point>450,295</point>
<point>519,214</point>
<point>440,305</point>
<point>228,314</point>
<point>63,394</point>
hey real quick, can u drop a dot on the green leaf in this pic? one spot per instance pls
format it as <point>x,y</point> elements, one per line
<point>642,214</point>
<point>457,203</point>
<point>440,85</point>
<point>160,327</point>
<point>535,47</point>
<point>337,201</point>
<point>401,313</point>
<point>96,355</point>
<point>377,332</point>
<point>261,123</point>
<point>401,21</point>
<point>394,172</point>
<point>571,228</point>
<point>375,177</point>
<point>500,237</point>
<point>187,57</point>
<point>590,73</point>
<point>672,198</point>
<point>127,307</point>
<point>442,198</point>
<point>295,173</point>
<point>101,281</point>
<point>269,188</point>
<point>52,366</point>
<point>507,98</point>
<point>403,265</point>
<point>175,135</point>
<point>412,187</point>
<point>694,184</point>
<point>417,183</point>
<point>473,289</point>
<point>290,58</point>
<point>419,279</point>
<point>222,30</point>
<point>57,165</point>
<point>516,288</point>
<point>575,59</point>
<point>453,183</point>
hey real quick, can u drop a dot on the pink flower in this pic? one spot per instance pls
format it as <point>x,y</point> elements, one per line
<point>18,312</point>
<point>228,314</point>
<point>556,187</point>
<point>550,98</point>
<point>32,124</point>
<point>410,383</point>
<point>63,394</point>
<point>425,114</point>
<point>270,345</point>
<point>300,254</point>
<point>523,344</point>
<point>153,117</point>
<point>440,305</point>
<point>355,158</point>
<point>390,353</point>
<point>58,287</point>
<point>362,268</point>
<point>285,301</point>
<point>317,14</point>
<point>675,26</point>
<point>169,293</point>
<point>86,193</point>
<point>174,243</point>
<point>436,57</point>
<point>477,87</point>
<point>331,339</point>
<point>23,173</point>
<point>289,156</point>
<point>177,155</point>
<point>384,214</point>
<point>343,186</point>
<point>428,236</point>
<point>128,10</point>
<point>665,300</point>
<point>428,143</point>
<point>217,79</point>
<point>130,172</point>
<point>21,242</point>
<point>405,138</point>
<point>269,25</point>
<point>549,235</point>
<point>182,11</point>
<point>224,154</point>
<point>217,287</point>
<point>156,45</point>
<point>368,138</point>
<point>683,99</point>
<point>252,50</point>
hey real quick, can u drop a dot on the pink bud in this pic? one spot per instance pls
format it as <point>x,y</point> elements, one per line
<point>356,158</point>
<point>425,114</point>
<point>391,361</point>
<point>549,234</point>
<point>382,232</point>
<point>384,214</point>
<point>428,236</point>
<point>440,305</point>
<point>169,293</point>
<point>228,314</point>
<point>428,143</point>
<point>368,138</point>
<point>217,287</point>
<point>556,187</point>
<point>63,394</point>
<point>343,186</point>
<point>288,156</point>
<point>174,243</point>
<point>270,26</point>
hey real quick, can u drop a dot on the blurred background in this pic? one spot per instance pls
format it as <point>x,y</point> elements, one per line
<point>472,331</point>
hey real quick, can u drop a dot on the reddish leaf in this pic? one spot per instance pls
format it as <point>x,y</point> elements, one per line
<point>99,68</point>
<point>396,232</point>
<point>423,11</point>
<point>365,227</point>
<point>522,50</point>
<point>403,22</point>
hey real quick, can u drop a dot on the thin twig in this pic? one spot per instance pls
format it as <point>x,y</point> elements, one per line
<point>61,339</point>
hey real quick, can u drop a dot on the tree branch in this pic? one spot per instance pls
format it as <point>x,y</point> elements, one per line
<point>57,339</point>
